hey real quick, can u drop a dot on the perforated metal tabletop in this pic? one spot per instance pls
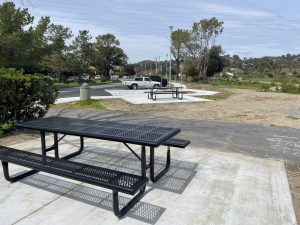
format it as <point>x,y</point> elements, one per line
<point>146,135</point>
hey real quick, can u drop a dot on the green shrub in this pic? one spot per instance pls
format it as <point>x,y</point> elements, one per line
<point>6,127</point>
<point>265,87</point>
<point>24,97</point>
<point>290,88</point>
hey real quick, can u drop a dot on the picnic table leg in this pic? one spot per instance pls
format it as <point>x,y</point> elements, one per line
<point>56,145</point>
<point>16,177</point>
<point>77,152</point>
<point>43,143</point>
<point>119,213</point>
<point>143,161</point>
<point>154,178</point>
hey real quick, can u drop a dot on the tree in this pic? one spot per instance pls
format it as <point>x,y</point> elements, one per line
<point>22,45</point>
<point>215,61</point>
<point>108,53</point>
<point>12,33</point>
<point>190,70</point>
<point>203,36</point>
<point>81,53</point>
<point>180,38</point>
<point>55,61</point>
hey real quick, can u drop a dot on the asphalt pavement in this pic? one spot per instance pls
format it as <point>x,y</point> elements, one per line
<point>254,140</point>
<point>96,90</point>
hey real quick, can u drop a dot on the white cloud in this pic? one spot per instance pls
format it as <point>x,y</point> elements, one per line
<point>234,11</point>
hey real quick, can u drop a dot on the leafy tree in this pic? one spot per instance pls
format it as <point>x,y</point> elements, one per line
<point>203,36</point>
<point>12,34</point>
<point>108,53</point>
<point>81,53</point>
<point>215,61</point>
<point>22,45</point>
<point>180,38</point>
<point>56,60</point>
<point>190,70</point>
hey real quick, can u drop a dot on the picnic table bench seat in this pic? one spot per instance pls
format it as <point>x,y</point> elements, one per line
<point>111,179</point>
<point>178,143</point>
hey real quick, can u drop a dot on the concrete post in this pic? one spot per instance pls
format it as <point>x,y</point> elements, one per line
<point>85,92</point>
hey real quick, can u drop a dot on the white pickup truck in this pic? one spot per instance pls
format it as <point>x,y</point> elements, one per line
<point>140,82</point>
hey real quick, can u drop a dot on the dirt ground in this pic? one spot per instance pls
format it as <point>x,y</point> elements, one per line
<point>18,136</point>
<point>293,173</point>
<point>243,105</point>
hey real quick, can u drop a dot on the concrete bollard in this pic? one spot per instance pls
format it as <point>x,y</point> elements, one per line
<point>85,92</point>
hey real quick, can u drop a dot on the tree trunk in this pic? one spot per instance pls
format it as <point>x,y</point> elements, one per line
<point>177,66</point>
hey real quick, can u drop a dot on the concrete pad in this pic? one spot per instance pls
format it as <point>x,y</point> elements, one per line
<point>140,97</point>
<point>202,187</point>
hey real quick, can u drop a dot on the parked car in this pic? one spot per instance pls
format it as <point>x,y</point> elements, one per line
<point>140,82</point>
<point>72,79</point>
<point>85,77</point>
<point>98,77</point>
<point>164,82</point>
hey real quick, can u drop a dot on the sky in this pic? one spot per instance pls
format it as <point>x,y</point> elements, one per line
<point>252,28</point>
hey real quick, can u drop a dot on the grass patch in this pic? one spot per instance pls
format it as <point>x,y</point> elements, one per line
<point>278,126</point>
<point>64,85</point>
<point>88,104</point>
<point>228,84</point>
<point>218,96</point>
<point>293,118</point>
<point>290,88</point>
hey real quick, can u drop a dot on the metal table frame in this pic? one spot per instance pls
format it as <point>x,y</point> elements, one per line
<point>175,91</point>
<point>144,166</point>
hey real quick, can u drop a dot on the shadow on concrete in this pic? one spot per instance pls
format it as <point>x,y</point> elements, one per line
<point>144,212</point>
<point>176,180</point>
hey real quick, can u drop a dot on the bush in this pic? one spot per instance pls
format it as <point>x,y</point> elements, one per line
<point>24,97</point>
<point>6,127</point>
<point>265,87</point>
<point>290,88</point>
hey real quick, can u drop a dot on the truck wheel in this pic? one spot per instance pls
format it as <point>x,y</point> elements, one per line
<point>156,86</point>
<point>134,86</point>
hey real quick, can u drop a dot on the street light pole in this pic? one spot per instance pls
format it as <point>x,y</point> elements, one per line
<point>159,69</point>
<point>167,66</point>
<point>156,66</point>
<point>170,68</point>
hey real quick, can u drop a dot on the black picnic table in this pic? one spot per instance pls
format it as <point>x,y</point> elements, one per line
<point>138,134</point>
<point>176,92</point>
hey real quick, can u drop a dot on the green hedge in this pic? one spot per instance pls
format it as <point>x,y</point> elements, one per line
<point>24,97</point>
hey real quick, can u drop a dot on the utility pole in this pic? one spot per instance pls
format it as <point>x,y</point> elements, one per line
<point>170,68</point>
<point>159,64</point>
<point>167,66</point>
<point>156,66</point>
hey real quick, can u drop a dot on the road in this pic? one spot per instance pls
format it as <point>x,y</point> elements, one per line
<point>96,90</point>
<point>254,140</point>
